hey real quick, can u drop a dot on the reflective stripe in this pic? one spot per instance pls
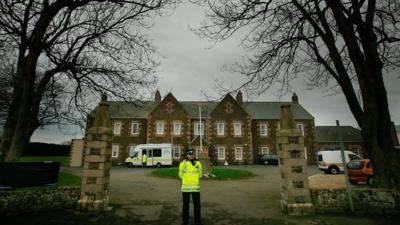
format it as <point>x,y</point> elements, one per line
<point>191,172</point>
<point>190,189</point>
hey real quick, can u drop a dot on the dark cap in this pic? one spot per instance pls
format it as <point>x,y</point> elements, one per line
<point>189,151</point>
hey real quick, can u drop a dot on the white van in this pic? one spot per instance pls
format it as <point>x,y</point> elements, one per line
<point>331,161</point>
<point>157,155</point>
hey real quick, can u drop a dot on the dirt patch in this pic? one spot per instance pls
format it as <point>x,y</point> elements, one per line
<point>326,181</point>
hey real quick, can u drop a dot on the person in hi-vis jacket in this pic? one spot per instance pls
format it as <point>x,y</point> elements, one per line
<point>190,172</point>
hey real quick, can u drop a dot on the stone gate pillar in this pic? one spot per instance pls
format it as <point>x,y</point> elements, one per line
<point>97,162</point>
<point>295,193</point>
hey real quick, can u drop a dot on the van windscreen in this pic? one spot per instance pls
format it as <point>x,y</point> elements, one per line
<point>319,158</point>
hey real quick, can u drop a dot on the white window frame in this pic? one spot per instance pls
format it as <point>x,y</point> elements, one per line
<point>300,127</point>
<point>160,129</point>
<point>177,132</point>
<point>241,153</point>
<point>220,132</point>
<point>219,150</point>
<point>261,129</point>
<point>117,128</point>
<point>115,151</point>
<point>197,152</point>
<point>137,128</point>
<point>265,150</point>
<point>198,128</point>
<point>237,132</point>
<point>174,150</point>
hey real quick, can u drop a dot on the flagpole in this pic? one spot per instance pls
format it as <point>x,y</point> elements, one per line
<point>201,136</point>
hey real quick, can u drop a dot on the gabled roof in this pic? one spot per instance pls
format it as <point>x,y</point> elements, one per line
<point>257,110</point>
<point>330,134</point>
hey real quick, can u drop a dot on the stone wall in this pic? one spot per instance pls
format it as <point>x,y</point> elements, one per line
<point>17,202</point>
<point>366,201</point>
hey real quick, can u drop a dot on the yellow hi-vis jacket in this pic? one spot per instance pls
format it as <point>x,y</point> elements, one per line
<point>190,176</point>
<point>144,159</point>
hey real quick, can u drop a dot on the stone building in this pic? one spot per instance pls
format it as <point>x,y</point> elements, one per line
<point>327,138</point>
<point>233,130</point>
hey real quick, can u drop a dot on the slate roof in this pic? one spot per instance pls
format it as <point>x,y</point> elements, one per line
<point>330,134</point>
<point>257,110</point>
<point>138,110</point>
<point>272,110</point>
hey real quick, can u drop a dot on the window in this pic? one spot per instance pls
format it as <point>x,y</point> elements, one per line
<point>131,149</point>
<point>160,128</point>
<point>198,128</point>
<point>135,128</point>
<point>117,128</point>
<point>157,152</point>
<point>265,150</point>
<point>197,152</point>
<point>237,127</point>
<point>177,128</point>
<point>263,129</point>
<point>115,151</point>
<point>176,152</point>
<point>300,127</point>
<point>221,153</point>
<point>220,129</point>
<point>238,153</point>
<point>353,157</point>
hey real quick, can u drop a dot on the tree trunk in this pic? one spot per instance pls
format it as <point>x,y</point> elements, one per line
<point>20,121</point>
<point>376,131</point>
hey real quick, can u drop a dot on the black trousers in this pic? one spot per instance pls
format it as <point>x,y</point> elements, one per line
<point>196,206</point>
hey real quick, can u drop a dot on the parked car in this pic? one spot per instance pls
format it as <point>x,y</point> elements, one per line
<point>360,171</point>
<point>331,161</point>
<point>269,159</point>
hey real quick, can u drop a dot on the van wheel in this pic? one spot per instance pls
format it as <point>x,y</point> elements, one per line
<point>158,165</point>
<point>130,165</point>
<point>333,170</point>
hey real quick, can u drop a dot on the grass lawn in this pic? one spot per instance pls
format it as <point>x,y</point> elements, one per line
<point>62,159</point>
<point>220,173</point>
<point>64,180</point>
<point>67,179</point>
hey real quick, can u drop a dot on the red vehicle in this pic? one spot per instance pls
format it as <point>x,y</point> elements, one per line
<point>360,171</point>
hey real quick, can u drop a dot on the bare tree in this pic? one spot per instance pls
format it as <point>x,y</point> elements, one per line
<point>73,49</point>
<point>351,42</point>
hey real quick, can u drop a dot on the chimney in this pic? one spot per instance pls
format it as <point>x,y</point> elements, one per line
<point>239,97</point>
<point>295,99</point>
<point>157,97</point>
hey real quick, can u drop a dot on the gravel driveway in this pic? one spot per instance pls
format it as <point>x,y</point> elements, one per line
<point>253,200</point>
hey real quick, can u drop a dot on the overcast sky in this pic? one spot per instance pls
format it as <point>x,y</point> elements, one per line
<point>190,66</point>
